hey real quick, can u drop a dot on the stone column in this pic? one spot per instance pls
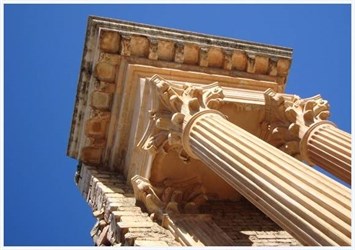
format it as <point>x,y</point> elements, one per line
<point>310,206</point>
<point>300,128</point>
<point>325,145</point>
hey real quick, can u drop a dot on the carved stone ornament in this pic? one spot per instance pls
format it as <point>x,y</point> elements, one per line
<point>288,117</point>
<point>172,107</point>
<point>169,196</point>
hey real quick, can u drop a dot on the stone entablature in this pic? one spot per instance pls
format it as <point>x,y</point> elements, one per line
<point>112,47</point>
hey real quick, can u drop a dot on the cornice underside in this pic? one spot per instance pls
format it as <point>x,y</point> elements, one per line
<point>109,53</point>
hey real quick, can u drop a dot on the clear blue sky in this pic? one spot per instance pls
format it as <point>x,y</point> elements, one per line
<point>43,49</point>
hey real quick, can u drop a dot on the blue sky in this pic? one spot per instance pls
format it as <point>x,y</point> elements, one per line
<point>43,49</point>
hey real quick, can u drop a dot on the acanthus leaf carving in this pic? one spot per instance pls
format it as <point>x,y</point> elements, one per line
<point>176,105</point>
<point>288,117</point>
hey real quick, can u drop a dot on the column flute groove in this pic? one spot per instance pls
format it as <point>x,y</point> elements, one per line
<point>329,147</point>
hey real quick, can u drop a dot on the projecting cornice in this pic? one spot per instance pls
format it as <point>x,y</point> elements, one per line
<point>118,53</point>
<point>235,57</point>
<point>154,32</point>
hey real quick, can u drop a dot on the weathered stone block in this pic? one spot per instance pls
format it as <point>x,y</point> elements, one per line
<point>166,50</point>
<point>113,59</point>
<point>105,72</point>
<point>135,218</point>
<point>105,189</point>
<point>91,155</point>
<point>239,60</point>
<point>96,127</point>
<point>120,200</point>
<point>191,54</point>
<point>109,41</point>
<point>283,65</point>
<point>215,57</point>
<point>117,214</point>
<point>101,100</point>
<point>261,64</point>
<point>139,46</point>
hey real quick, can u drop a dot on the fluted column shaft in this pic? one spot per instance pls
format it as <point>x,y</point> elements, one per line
<point>312,207</point>
<point>329,147</point>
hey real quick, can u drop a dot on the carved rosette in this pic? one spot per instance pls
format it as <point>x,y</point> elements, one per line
<point>174,109</point>
<point>288,118</point>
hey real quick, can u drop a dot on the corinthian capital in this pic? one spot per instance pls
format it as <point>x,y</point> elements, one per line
<point>174,109</point>
<point>293,109</point>
<point>288,118</point>
<point>189,99</point>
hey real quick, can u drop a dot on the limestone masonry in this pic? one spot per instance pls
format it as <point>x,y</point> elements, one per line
<point>186,139</point>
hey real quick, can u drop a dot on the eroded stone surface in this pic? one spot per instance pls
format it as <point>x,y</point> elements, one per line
<point>110,41</point>
<point>101,100</point>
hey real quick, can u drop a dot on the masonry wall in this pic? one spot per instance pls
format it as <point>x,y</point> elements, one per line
<point>119,221</point>
<point>246,225</point>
